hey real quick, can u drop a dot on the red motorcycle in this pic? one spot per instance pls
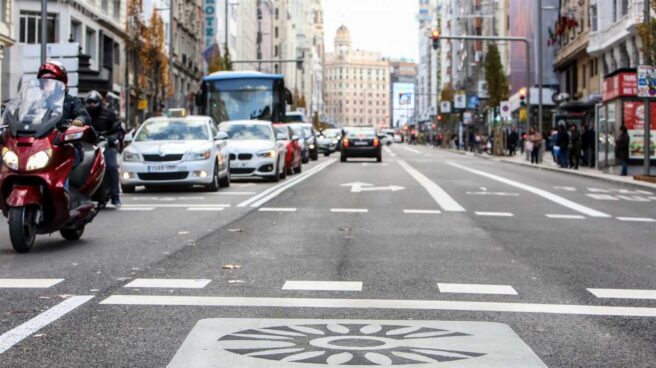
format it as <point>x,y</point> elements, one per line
<point>40,189</point>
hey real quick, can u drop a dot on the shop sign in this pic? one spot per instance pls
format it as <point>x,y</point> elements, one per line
<point>620,85</point>
<point>634,120</point>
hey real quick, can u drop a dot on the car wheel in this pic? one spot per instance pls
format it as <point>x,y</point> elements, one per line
<point>128,189</point>
<point>214,185</point>
<point>326,154</point>
<point>283,175</point>
<point>314,156</point>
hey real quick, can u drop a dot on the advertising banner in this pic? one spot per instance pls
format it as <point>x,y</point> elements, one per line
<point>634,120</point>
<point>403,104</point>
<point>646,81</point>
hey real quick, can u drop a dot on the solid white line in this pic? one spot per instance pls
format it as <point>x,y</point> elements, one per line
<point>389,151</point>
<point>624,293</point>
<point>233,193</point>
<point>323,285</point>
<point>171,300</point>
<point>349,210</point>
<point>476,289</point>
<point>169,283</point>
<point>636,219</point>
<point>542,193</point>
<point>16,335</point>
<point>28,283</point>
<point>196,205</point>
<point>267,195</point>
<point>443,199</point>
<point>423,212</point>
<point>412,150</point>
<point>494,214</point>
<point>206,209</point>
<point>565,217</point>
<point>274,209</point>
<point>123,208</point>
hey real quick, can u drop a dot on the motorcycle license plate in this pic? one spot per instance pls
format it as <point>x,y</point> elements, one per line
<point>162,168</point>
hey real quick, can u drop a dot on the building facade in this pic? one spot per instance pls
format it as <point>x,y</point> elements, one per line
<point>403,84</point>
<point>357,85</point>
<point>428,78</point>
<point>6,37</point>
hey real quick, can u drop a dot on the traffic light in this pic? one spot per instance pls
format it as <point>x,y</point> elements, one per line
<point>436,39</point>
<point>522,97</point>
<point>440,118</point>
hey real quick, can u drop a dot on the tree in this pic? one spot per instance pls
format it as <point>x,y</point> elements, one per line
<point>647,33</point>
<point>447,93</point>
<point>215,62</point>
<point>227,59</point>
<point>155,63</point>
<point>302,103</point>
<point>497,83</point>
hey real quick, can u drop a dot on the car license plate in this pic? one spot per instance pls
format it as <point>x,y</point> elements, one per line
<point>162,168</point>
<point>360,143</point>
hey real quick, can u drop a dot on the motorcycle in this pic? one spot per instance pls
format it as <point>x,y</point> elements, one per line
<point>41,189</point>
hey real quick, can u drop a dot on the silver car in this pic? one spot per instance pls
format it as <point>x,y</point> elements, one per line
<point>180,151</point>
<point>254,150</point>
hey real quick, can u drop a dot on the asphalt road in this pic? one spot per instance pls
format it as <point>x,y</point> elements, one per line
<point>430,259</point>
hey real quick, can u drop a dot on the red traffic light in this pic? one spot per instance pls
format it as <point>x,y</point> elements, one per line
<point>439,117</point>
<point>435,34</point>
<point>522,93</point>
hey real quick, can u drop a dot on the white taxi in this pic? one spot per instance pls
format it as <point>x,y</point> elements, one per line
<point>176,151</point>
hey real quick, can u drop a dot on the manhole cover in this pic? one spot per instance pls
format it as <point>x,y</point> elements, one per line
<point>260,343</point>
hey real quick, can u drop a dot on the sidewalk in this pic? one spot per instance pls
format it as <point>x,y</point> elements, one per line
<point>610,175</point>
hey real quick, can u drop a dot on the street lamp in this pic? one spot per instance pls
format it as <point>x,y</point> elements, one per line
<point>171,76</point>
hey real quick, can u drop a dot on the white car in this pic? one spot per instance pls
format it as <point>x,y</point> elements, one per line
<point>176,151</point>
<point>254,150</point>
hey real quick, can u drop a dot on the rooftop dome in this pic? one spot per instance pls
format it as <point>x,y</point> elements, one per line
<point>342,39</point>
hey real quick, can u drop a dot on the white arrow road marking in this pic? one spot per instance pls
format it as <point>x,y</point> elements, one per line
<point>16,335</point>
<point>537,191</point>
<point>636,219</point>
<point>358,187</point>
<point>565,217</point>
<point>442,198</point>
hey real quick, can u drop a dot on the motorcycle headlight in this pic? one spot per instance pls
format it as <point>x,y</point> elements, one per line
<point>198,156</point>
<point>129,156</point>
<point>268,153</point>
<point>311,146</point>
<point>10,158</point>
<point>38,160</point>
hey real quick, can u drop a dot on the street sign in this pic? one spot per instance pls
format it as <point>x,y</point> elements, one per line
<point>467,118</point>
<point>142,104</point>
<point>445,107</point>
<point>646,81</point>
<point>366,187</point>
<point>504,109</point>
<point>460,100</point>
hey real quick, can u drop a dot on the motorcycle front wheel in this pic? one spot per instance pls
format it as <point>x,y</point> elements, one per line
<point>22,228</point>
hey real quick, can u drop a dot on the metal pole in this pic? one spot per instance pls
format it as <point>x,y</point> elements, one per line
<point>171,74</point>
<point>44,30</point>
<point>647,129</point>
<point>227,5</point>
<point>539,66</point>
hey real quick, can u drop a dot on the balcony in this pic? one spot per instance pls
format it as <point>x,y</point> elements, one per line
<point>572,49</point>
<point>609,35</point>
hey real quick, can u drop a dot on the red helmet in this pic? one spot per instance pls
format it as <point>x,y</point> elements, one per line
<point>52,69</point>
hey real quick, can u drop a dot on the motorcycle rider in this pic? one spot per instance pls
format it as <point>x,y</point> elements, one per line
<point>105,122</point>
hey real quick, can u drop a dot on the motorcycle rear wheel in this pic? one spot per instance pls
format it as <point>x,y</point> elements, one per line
<point>22,228</point>
<point>74,233</point>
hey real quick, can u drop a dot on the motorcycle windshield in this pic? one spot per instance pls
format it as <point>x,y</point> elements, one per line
<point>37,109</point>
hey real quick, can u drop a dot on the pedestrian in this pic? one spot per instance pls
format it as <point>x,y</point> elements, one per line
<point>553,142</point>
<point>513,138</point>
<point>575,143</point>
<point>535,138</point>
<point>588,146</point>
<point>563,144</point>
<point>622,150</point>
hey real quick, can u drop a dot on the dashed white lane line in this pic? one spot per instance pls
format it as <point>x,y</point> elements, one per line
<point>16,335</point>
<point>565,217</point>
<point>124,208</point>
<point>349,210</point>
<point>624,293</point>
<point>494,214</point>
<point>169,283</point>
<point>389,151</point>
<point>636,219</point>
<point>443,199</point>
<point>537,191</point>
<point>423,212</point>
<point>276,209</point>
<point>213,301</point>
<point>206,209</point>
<point>28,283</point>
<point>323,285</point>
<point>186,205</point>
<point>476,289</point>
<point>269,194</point>
<point>412,150</point>
<point>233,193</point>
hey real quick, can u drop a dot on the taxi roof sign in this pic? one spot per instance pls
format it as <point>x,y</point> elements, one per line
<point>176,113</point>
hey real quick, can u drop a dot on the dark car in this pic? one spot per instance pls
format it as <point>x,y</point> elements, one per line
<point>361,143</point>
<point>306,131</point>
<point>329,141</point>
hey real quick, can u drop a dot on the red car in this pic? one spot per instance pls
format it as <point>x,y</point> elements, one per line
<point>293,162</point>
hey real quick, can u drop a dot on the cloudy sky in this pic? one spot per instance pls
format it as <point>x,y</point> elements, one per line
<point>388,26</point>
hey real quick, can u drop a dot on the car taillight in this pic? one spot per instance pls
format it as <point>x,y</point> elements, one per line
<point>346,142</point>
<point>376,142</point>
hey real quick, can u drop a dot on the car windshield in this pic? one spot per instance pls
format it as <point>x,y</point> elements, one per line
<point>281,130</point>
<point>361,133</point>
<point>298,130</point>
<point>173,130</point>
<point>242,132</point>
<point>331,133</point>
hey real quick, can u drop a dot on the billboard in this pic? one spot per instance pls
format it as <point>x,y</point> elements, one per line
<point>403,103</point>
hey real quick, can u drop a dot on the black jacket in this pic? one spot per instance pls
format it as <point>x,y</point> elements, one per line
<point>74,110</point>
<point>107,125</point>
<point>622,147</point>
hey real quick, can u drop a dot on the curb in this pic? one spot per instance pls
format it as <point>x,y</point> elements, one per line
<point>606,178</point>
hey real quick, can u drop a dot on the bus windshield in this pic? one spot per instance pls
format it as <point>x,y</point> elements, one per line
<point>243,99</point>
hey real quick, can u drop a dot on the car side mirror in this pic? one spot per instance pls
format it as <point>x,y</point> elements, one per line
<point>295,137</point>
<point>221,136</point>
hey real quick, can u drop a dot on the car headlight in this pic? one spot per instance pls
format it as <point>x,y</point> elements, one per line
<point>268,153</point>
<point>10,158</point>
<point>38,160</point>
<point>198,156</point>
<point>311,146</point>
<point>335,141</point>
<point>129,156</point>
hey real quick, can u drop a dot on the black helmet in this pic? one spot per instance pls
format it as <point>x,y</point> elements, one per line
<point>93,101</point>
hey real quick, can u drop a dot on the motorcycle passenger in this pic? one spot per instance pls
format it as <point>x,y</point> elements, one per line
<point>105,122</point>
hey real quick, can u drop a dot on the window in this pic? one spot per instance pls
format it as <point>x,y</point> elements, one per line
<point>30,27</point>
<point>117,54</point>
<point>276,32</point>
<point>614,11</point>
<point>117,9</point>
<point>76,31</point>
<point>593,18</point>
<point>104,4</point>
<point>90,45</point>
<point>277,13</point>
<point>624,7</point>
